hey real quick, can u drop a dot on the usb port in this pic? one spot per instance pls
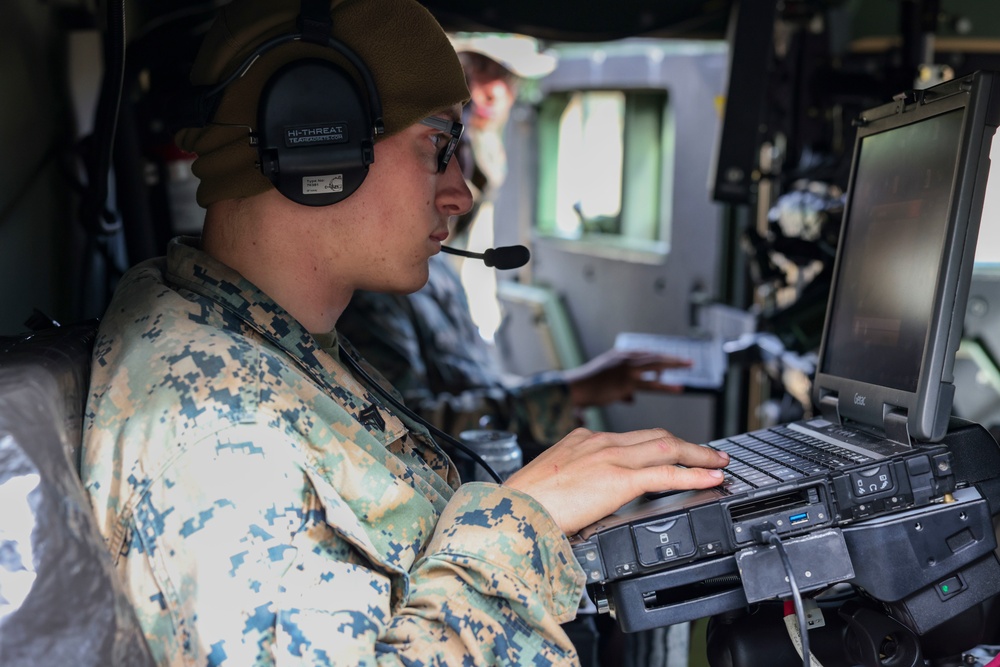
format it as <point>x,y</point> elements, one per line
<point>796,519</point>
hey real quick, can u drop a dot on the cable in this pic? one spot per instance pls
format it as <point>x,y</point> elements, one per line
<point>356,368</point>
<point>800,611</point>
<point>106,121</point>
<point>767,534</point>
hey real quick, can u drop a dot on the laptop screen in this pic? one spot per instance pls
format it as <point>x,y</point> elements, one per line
<point>893,247</point>
<point>905,258</point>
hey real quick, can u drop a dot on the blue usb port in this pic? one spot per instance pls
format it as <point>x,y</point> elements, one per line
<point>801,517</point>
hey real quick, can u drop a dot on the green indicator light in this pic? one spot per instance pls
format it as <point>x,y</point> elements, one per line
<point>944,588</point>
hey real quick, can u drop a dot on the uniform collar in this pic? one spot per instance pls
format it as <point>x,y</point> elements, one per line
<point>189,267</point>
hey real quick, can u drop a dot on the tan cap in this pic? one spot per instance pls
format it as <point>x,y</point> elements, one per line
<point>518,53</point>
<point>415,70</point>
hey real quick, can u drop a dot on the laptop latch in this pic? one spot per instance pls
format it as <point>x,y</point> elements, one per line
<point>896,428</point>
<point>829,409</point>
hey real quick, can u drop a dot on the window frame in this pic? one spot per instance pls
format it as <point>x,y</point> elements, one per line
<point>643,222</point>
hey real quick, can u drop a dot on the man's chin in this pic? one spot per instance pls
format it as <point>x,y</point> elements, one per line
<point>488,123</point>
<point>402,281</point>
<point>410,288</point>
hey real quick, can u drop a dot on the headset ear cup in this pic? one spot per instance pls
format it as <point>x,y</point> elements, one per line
<point>315,133</point>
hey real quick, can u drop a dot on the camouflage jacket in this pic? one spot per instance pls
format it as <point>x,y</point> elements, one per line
<point>428,347</point>
<point>263,508</point>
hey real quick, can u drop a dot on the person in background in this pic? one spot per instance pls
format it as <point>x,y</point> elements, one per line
<point>261,504</point>
<point>429,345</point>
<point>495,66</point>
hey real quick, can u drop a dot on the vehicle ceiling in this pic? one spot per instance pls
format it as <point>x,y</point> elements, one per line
<point>589,20</point>
<point>550,20</point>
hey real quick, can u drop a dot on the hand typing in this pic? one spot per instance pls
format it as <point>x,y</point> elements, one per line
<point>587,475</point>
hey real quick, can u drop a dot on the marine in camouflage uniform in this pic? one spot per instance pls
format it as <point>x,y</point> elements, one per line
<point>428,343</point>
<point>429,347</point>
<point>264,508</point>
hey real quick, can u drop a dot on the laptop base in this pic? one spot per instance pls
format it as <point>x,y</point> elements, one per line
<point>926,565</point>
<point>645,537</point>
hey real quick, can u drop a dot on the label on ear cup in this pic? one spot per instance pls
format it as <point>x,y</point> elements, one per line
<point>312,135</point>
<point>320,185</point>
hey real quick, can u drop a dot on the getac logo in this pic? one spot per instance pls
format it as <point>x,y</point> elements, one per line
<point>859,399</point>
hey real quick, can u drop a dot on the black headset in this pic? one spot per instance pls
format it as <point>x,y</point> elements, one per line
<point>315,133</point>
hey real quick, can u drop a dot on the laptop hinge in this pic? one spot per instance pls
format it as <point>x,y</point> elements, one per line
<point>896,428</point>
<point>829,408</point>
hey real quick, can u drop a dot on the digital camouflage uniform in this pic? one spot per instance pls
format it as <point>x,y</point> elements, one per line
<point>258,517</point>
<point>428,347</point>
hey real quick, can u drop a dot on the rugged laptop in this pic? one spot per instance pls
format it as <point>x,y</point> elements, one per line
<point>883,386</point>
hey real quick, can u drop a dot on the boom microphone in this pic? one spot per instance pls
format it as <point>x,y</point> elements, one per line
<point>507,257</point>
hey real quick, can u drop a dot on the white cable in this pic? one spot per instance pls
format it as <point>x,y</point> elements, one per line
<point>791,623</point>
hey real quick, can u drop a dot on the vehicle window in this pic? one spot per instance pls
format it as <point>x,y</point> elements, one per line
<point>606,165</point>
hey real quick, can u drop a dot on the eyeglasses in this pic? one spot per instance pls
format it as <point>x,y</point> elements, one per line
<point>454,131</point>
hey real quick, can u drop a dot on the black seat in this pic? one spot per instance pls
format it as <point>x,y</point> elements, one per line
<point>61,602</point>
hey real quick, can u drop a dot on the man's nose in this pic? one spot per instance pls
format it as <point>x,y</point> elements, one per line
<point>454,196</point>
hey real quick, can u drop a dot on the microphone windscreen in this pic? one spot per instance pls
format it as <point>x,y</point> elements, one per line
<point>507,257</point>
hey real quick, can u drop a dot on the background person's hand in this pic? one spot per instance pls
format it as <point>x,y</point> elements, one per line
<point>616,375</point>
<point>587,476</point>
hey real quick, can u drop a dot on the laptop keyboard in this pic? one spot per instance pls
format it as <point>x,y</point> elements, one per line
<point>777,455</point>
